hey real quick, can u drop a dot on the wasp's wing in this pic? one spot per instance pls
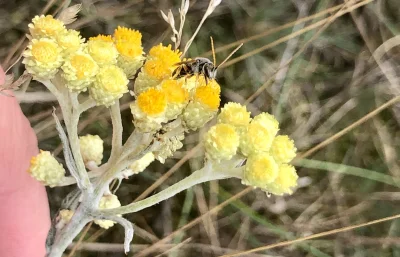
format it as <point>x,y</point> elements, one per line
<point>184,62</point>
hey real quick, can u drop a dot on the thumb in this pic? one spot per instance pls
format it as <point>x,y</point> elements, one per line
<point>24,216</point>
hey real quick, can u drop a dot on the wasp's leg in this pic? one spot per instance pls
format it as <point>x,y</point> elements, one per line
<point>176,72</point>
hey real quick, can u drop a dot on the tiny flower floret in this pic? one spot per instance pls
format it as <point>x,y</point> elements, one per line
<point>261,169</point>
<point>109,85</point>
<point>221,142</point>
<point>45,26</point>
<point>283,149</point>
<point>91,148</point>
<point>46,169</point>
<point>152,102</point>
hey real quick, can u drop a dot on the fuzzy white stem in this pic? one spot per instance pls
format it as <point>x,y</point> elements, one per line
<point>117,130</point>
<point>203,175</point>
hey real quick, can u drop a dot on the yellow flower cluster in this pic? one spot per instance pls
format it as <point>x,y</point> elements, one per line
<point>46,169</point>
<point>267,154</point>
<point>103,64</point>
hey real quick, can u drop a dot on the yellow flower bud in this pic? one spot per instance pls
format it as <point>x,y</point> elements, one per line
<point>221,142</point>
<point>91,148</point>
<point>284,182</point>
<point>107,202</point>
<point>42,58</point>
<point>283,149</point>
<point>70,41</point>
<point>261,169</point>
<point>110,84</point>
<point>46,169</point>
<point>141,164</point>
<point>102,50</point>
<point>45,26</point>
<point>259,134</point>
<point>234,114</point>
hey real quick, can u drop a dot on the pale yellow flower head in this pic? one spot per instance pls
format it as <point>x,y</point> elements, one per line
<point>128,42</point>
<point>208,95</point>
<point>70,41</point>
<point>107,202</point>
<point>46,26</point>
<point>284,182</point>
<point>234,114</point>
<point>283,149</point>
<point>260,170</point>
<point>221,142</point>
<point>149,110</point>
<point>141,164</point>
<point>79,70</point>
<point>46,169</point>
<point>176,95</point>
<point>159,65</point>
<point>42,58</point>
<point>204,104</point>
<point>91,148</point>
<point>110,84</point>
<point>103,50</point>
<point>259,134</point>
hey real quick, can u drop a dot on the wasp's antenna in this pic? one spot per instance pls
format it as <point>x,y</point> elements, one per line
<point>229,56</point>
<point>213,52</point>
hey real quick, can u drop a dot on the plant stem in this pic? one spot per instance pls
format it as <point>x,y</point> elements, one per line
<point>117,130</point>
<point>203,175</point>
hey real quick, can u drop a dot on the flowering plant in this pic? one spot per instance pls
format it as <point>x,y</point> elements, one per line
<point>163,108</point>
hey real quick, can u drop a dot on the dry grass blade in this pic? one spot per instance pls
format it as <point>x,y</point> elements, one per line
<point>327,233</point>
<point>349,128</point>
<point>214,210</point>
<point>298,33</point>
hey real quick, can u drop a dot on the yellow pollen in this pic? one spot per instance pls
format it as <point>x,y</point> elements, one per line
<point>45,52</point>
<point>174,91</point>
<point>122,34</point>
<point>128,49</point>
<point>156,68</point>
<point>82,64</point>
<point>208,95</point>
<point>105,38</point>
<point>152,101</point>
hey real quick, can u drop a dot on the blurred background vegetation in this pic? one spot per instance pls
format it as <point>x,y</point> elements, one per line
<point>320,76</point>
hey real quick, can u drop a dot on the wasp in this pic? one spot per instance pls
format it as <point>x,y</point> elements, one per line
<point>200,66</point>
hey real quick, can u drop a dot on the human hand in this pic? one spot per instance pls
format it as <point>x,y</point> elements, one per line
<point>24,211</point>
